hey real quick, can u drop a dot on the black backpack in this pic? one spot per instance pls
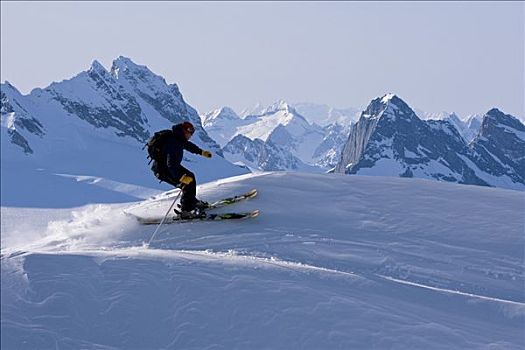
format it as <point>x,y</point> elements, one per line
<point>156,144</point>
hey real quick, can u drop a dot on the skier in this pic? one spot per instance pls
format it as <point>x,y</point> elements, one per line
<point>172,172</point>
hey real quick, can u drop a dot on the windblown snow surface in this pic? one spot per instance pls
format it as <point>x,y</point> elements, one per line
<point>333,261</point>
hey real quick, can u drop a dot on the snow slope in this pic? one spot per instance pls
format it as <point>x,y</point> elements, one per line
<point>334,261</point>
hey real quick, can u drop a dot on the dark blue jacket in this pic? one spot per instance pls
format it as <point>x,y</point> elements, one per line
<point>174,150</point>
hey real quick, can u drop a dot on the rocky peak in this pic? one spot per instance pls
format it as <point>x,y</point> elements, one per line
<point>500,147</point>
<point>390,107</point>
<point>5,103</point>
<point>8,86</point>
<point>16,119</point>
<point>221,114</point>
<point>389,139</point>
<point>495,118</point>
<point>280,105</point>
<point>125,70</point>
<point>124,64</point>
<point>229,113</point>
<point>97,68</point>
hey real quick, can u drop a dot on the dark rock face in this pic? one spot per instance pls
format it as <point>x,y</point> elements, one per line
<point>389,139</point>
<point>20,141</point>
<point>499,148</point>
<point>453,152</point>
<point>263,155</point>
<point>20,119</point>
<point>124,119</point>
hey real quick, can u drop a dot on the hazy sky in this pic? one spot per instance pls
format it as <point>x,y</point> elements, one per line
<point>456,56</point>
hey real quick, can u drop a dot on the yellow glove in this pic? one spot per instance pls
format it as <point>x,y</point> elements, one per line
<point>185,179</point>
<point>206,154</point>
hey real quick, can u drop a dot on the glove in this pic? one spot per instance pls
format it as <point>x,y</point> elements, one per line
<point>206,154</point>
<point>185,179</point>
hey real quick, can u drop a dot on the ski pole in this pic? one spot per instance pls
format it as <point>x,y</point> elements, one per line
<point>165,216</point>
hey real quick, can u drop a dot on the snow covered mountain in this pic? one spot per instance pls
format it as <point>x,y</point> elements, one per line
<point>222,124</point>
<point>468,127</point>
<point>284,138</point>
<point>17,120</point>
<point>297,143</point>
<point>332,262</point>
<point>279,115</point>
<point>325,115</point>
<point>499,149</point>
<point>472,126</point>
<point>260,155</point>
<point>257,109</point>
<point>315,113</point>
<point>390,140</point>
<point>95,125</point>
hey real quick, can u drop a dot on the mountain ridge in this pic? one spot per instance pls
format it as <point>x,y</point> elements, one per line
<point>390,139</point>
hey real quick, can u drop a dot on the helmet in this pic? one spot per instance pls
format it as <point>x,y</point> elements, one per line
<point>188,127</point>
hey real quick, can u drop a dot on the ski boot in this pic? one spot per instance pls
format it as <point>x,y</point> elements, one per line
<point>201,204</point>
<point>191,214</point>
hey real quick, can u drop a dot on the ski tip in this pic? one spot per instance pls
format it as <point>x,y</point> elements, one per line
<point>255,213</point>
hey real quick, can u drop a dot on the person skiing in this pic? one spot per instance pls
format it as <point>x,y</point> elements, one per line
<point>171,171</point>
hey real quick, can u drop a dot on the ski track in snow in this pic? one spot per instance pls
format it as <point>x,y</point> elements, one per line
<point>232,257</point>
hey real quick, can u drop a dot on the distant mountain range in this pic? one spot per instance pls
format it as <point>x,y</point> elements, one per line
<point>95,124</point>
<point>284,138</point>
<point>388,138</point>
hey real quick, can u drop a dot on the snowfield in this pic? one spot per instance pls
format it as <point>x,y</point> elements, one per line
<point>332,262</point>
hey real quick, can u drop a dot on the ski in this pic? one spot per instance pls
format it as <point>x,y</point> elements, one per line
<point>231,200</point>
<point>207,217</point>
<point>219,203</point>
